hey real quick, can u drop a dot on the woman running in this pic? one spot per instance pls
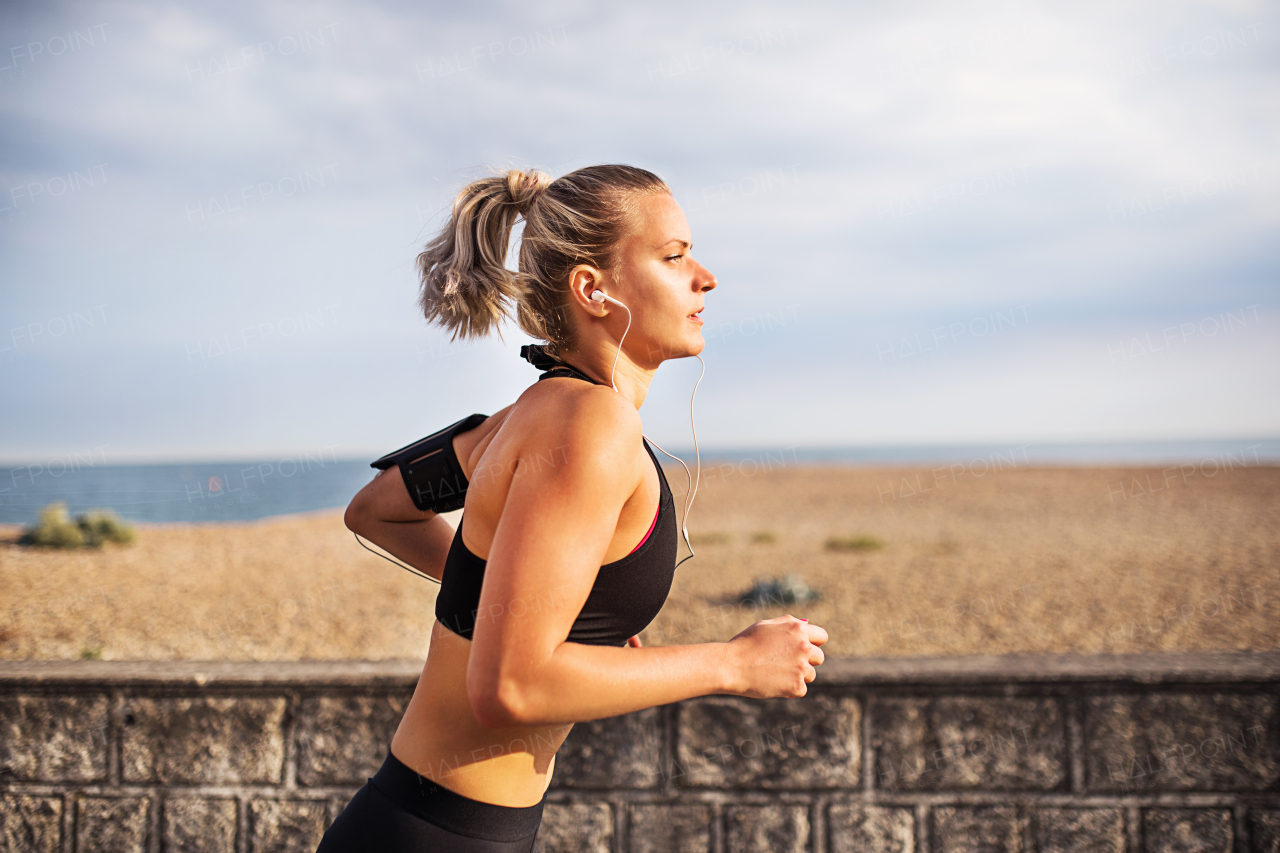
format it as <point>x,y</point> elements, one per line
<point>570,536</point>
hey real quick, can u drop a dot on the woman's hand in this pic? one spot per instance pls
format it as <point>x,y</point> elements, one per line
<point>775,658</point>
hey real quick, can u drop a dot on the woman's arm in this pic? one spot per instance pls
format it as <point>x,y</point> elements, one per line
<point>555,527</point>
<point>771,659</point>
<point>383,513</point>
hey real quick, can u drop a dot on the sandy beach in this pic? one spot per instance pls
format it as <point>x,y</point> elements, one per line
<point>1024,559</point>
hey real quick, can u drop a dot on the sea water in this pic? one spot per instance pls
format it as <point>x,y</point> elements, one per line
<point>248,490</point>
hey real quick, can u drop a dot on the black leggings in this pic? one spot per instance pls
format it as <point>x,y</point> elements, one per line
<point>399,810</point>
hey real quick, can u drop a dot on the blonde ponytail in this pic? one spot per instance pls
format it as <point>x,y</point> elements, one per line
<point>577,218</point>
<point>466,286</point>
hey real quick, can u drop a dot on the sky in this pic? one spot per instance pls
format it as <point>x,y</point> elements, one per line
<point>931,222</point>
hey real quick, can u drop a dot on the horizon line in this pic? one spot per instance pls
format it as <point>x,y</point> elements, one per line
<point>717,452</point>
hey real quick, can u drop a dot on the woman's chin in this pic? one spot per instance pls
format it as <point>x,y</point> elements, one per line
<point>694,344</point>
<point>689,344</point>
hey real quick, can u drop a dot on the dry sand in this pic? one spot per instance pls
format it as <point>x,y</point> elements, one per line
<point>1018,560</point>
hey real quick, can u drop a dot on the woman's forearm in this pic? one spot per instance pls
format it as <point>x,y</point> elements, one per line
<point>422,544</point>
<point>583,682</point>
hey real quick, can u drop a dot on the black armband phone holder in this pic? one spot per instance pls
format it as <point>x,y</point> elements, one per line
<point>430,468</point>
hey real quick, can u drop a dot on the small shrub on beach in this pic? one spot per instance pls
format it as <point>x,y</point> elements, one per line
<point>854,543</point>
<point>764,537</point>
<point>713,538</point>
<point>102,525</point>
<point>88,530</point>
<point>787,590</point>
<point>53,530</point>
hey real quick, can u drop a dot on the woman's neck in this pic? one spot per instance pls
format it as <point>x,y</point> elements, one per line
<point>631,380</point>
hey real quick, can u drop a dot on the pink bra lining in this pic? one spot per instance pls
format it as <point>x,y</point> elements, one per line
<point>652,525</point>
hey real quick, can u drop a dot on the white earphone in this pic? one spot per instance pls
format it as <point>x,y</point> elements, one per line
<point>691,487</point>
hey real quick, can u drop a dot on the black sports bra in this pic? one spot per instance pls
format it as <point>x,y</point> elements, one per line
<point>627,593</point>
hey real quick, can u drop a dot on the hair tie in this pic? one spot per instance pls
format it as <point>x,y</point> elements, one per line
<point>530,189</point>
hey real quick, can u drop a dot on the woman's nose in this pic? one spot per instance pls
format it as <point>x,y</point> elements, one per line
<point>707,281</point>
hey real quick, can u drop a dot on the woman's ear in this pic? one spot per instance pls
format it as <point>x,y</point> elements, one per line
<point>584,280</point>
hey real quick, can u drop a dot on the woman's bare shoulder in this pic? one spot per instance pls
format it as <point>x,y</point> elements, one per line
<point>550,416</point>
<point>574,411</point>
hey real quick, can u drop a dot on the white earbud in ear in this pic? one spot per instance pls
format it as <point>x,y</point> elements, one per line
<point>597,296</point>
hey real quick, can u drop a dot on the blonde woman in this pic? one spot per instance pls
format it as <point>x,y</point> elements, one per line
<point>568,543</point>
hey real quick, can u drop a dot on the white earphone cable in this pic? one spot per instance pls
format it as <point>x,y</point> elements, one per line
<point>691,483</point>
<point>389,560</point>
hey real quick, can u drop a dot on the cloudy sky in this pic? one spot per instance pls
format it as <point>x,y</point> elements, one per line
<point>932,222</point>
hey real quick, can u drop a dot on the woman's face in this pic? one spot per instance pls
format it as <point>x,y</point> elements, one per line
<point>658,279</point>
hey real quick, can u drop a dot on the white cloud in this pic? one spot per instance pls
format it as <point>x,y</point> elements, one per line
<point>875,163</point>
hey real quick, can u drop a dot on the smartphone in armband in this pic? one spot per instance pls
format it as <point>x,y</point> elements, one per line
<point>431,470</point>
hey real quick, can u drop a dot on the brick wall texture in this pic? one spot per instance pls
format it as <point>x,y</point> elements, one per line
<point>991,762</point>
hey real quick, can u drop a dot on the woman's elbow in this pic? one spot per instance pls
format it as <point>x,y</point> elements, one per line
<point>358,511</point>
<point>496,703</point>
<point>353,518</point>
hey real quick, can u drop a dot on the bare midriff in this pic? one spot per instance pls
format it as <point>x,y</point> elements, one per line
<point>441,739</point>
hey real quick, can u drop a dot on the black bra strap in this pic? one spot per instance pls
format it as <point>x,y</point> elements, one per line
<point>536,354</point>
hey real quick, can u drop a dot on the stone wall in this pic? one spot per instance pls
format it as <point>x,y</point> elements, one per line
<point>1115,753</point>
